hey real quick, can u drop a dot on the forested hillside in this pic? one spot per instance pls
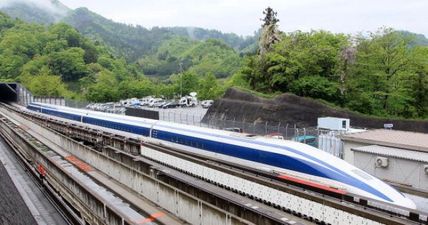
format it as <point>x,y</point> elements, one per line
<point>131,42</point>
<point>57,60</point>
<point>195,33</point>
<point>201,52</point>
<point>201,57</point>
<point>383,74</point>
<point>35,13</point>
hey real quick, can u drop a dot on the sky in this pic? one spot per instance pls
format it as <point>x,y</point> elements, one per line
<point>243,16</point>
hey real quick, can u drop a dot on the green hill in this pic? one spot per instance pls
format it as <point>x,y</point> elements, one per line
<point>129,41</point>
<point>200,57</point>
<point>31,12</point>
<point>56,60</point>
<point>135,42</point>
<point>132,42</point>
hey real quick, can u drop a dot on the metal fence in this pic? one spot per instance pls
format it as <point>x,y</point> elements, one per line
<point>60,101</point>
<point>325,140</point>
<point>49,100</point>
<point>288,131</point>
<point>75,103</point>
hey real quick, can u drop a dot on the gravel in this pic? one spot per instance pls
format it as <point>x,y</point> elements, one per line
<point>13,209</point>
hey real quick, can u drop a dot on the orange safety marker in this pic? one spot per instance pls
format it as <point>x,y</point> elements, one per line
<point>312,184</point>
<point>41,170</point>
<point>151,218</point>
<point>77,162</point>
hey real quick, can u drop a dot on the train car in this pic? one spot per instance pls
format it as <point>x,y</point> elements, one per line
<point>285,158</point>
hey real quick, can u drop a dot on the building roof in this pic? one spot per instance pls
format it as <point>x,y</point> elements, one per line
<point>393,152</point>
<point>391,138</point>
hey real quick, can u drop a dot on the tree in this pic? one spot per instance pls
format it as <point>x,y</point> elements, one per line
<point>270,34</point>
<point>69,64</point>
<point>256,68</point>
<point>185,83</point>
<point>316,87</point>
<point>419,82</point>
<point>46,84</point>
<point>105,89</point>
<point>347,59</point>
<point>65,32</point>
<point>382,70</point>
<point>136,88</point>
<point>209,88</point>
<point>10,65</point>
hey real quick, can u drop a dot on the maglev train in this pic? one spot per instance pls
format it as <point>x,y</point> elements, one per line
<point>289,159</point>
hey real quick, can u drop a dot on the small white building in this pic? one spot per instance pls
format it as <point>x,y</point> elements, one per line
<point>399,157</point>
<point>330,128</point>
<point>333,123</point>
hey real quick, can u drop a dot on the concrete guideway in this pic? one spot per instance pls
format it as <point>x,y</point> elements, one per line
<point>13,207</point>
<point>118,154</point>
<point>185,206</point>
<point>84,187</point>
<point>42,209</point>
<point>195,210</point>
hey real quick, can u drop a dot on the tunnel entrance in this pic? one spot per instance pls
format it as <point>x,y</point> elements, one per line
<point>14,92</point>
<point>8,92</point>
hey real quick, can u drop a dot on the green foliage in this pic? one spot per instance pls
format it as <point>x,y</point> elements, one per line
<point>419,80</point>
<point>196,33</point>
<point>104,89</point>
<point>237,80</point>
<point>56,60</point>
<point>136,88</point>
<point>180,54</point>
<point>315,87</point>
<point>384,72</point>
<point>213,57</point>
<point>136,42</point>
<point>31,12</point>
<point>185,83</point>
<point>297,55</point>
<point>209,88</point>
<point>69,64</point>
<point>45,84</point>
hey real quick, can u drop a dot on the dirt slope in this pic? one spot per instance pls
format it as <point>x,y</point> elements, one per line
<point>288,108</point>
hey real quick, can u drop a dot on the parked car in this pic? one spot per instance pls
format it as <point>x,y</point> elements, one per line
<point>307,139</point>
<point>153,101</point>
<point>207,103</point>
<point>188,101</point>
<point>158,103</point>
<point>145,101</point>
<point>170,105</point>
<point>234,129</point>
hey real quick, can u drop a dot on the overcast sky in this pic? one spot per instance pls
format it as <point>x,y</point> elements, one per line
<point>243,16</point>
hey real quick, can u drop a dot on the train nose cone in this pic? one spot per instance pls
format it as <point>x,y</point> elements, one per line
<point>408,203</point>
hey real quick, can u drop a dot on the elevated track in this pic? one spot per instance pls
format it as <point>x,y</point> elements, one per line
<point>304,203</point>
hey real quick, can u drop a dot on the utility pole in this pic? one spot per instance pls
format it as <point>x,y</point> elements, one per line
<point>181,78</point>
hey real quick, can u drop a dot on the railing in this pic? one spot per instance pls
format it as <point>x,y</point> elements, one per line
<point>325,140</point>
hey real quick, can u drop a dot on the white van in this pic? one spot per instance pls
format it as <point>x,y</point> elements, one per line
<point>207,103</point>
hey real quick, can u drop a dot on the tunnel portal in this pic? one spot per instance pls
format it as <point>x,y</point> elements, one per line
<point>8,92</point>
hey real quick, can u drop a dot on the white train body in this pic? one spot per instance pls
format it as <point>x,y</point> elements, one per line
<point>282,157</point>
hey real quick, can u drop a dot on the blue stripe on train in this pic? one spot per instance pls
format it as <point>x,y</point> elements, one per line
<point>269,158</point>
